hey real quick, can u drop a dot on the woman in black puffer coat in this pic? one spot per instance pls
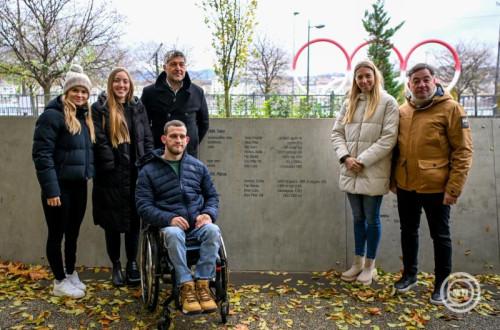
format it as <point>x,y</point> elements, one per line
<point>123,136</point>
<point>62,153</point>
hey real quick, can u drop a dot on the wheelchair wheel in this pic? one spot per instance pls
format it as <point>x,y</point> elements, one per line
<point>222,274</point>
<point>221,283</point>
<point>164,323</point>
<point>150,281</point>
<point>224,311</point>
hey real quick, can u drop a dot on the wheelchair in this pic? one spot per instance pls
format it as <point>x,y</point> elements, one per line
<point>156,267</point>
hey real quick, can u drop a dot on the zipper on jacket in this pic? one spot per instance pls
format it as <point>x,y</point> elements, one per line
<point>181,185</point>
<point>410,148</point>
<point>357,139</point>
<point>86,137</point>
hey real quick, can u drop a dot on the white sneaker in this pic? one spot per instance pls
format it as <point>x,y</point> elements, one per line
<point>65,288</point>
<point>75,280</point>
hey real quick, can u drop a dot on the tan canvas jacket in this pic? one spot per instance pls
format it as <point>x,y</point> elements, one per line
<point>434,147</point>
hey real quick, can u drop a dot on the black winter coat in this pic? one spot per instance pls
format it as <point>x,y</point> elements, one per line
<point>162,195</point>
<point>188,105</point>
<point>113,194</point>
<point>58,155</point>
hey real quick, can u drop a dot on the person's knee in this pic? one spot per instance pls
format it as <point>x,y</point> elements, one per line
<point>441,238</point>
<point>358,220</point>
<point>174,234</point>
<point>212,231</point>
<point>373,221</point>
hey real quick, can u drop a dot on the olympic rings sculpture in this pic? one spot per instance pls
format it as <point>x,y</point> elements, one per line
<point>403,61</point>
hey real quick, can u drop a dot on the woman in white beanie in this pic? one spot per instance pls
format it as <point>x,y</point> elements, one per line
<point>123,136</point>
<point>63,157</point>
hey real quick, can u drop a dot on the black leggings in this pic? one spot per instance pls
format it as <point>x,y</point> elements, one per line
<point>64,221</point>
<point>113,242</point>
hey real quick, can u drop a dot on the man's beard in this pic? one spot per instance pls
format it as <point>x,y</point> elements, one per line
<point>175,151</point>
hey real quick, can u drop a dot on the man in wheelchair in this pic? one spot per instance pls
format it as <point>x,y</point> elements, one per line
<point>176,194</point>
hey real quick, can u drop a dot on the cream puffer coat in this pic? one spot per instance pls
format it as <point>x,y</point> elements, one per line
<point>370,141</point>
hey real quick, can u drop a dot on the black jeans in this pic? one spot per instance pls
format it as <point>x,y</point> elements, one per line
<point>64,221</point>
<point>410,206</point>
<point>113,242</point>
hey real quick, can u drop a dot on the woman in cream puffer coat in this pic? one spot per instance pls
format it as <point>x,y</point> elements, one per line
<point>363,137</point>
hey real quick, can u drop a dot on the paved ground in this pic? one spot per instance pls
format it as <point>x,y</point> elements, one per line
<point>258,301</point>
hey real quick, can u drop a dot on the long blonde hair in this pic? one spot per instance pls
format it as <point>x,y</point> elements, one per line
<point>72,123</point>
<point>373,96</point>
<point>118,128</point>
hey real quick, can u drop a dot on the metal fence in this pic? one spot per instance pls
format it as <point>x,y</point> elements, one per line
<point>254,105</point>
<point>479,106</point>
<point>25,105</point>
<point>276,106</point>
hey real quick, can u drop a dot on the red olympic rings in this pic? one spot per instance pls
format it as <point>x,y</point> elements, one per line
<point>403,61</point>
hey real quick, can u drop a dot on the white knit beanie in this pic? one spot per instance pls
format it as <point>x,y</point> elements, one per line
<point>75,77</point>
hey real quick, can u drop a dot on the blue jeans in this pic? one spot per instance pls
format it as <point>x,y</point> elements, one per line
<point>367,227</point>
<point>175,242</point>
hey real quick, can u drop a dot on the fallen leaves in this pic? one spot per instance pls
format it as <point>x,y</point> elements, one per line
<point>17,269</point>
<point>21,285</point>
<point>283,301</point>
<point>374,311</point>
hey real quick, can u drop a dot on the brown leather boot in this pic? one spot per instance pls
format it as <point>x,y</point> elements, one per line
<point>205,296</point>
<point>189,301</point>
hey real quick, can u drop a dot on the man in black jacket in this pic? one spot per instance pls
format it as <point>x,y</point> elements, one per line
<point>174,96</point>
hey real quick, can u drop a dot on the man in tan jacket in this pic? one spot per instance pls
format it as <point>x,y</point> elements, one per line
<point>433,158</point>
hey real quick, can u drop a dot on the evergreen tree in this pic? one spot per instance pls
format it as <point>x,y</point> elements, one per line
<point>376,24</point>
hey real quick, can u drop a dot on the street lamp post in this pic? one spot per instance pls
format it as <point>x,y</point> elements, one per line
<point>295,13</point>
<point>497,111</point>
<point>155,57</point>
<point>320,26</point>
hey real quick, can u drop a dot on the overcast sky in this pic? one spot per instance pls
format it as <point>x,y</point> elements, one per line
<point>181,22</point>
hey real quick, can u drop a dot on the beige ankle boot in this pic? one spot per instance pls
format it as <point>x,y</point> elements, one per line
<point>356,268</point>
<point>369,272</point>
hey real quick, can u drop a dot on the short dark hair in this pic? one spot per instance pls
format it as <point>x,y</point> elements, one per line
<point>173,123</point>
<point>172,54</point>
<point>421,66</point>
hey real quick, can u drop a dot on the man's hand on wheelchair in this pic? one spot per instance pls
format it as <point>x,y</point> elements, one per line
<point>179,222</point>
<point>202,220</point>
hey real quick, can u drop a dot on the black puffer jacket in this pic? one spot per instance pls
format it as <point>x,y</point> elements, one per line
<point>188,105</point>
<point>58,155</point>
<point>116,173</point>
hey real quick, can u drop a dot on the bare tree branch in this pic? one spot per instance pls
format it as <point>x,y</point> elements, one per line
<point>43,37</point>
<point>476,59</point>
<point>268,64</point>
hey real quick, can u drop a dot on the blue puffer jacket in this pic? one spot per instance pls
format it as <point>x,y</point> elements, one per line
<point>162,195</point>
<point>57,154</point>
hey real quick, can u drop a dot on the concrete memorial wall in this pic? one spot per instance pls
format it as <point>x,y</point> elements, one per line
<point>281,208</point>
<point>277,181</point>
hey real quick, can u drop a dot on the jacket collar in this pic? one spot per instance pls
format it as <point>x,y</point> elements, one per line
<point>161,82</point>
<point>439,96</point>
<point>155,155</point>
<point>57,104</point>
